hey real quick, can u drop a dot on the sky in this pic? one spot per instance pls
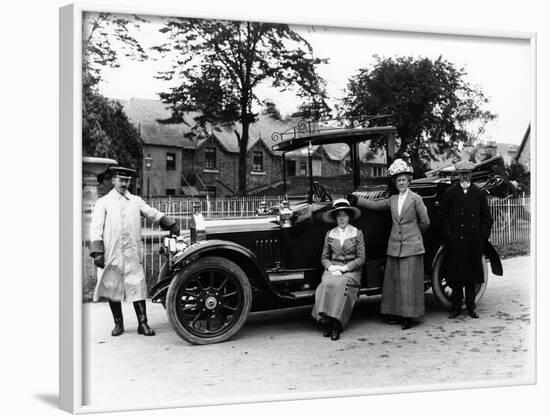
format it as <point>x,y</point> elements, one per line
<point>502,68</point>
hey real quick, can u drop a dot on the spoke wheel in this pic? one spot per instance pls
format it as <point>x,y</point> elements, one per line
<point>441,288</point>
<point>209,300</point>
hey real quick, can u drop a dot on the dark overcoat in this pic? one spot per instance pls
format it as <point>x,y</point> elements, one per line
<point>465,222</point>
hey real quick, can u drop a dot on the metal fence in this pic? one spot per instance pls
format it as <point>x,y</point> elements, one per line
<point>512,219</point>
<point>181,209</point>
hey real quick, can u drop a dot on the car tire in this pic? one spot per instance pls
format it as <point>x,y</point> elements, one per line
<point>441,289</point>
<point>210,291</point>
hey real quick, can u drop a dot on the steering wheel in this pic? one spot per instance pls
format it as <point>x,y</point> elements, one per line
<point>320,192</point>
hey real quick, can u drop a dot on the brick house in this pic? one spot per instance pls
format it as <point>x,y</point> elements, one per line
<point>174,164</point>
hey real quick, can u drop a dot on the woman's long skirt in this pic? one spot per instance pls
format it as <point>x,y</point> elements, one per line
<point>403,289</point>
<point>335,296</point>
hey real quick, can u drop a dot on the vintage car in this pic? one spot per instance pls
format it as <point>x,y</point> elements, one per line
<point>227,268</point>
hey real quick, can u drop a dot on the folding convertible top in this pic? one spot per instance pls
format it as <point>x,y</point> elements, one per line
<point>326,136</point>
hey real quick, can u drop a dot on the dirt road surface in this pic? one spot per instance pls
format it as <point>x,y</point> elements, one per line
<point>283,352</point>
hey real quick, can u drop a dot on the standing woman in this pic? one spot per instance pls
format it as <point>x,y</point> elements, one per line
<point>343,258</point>
<point>403,289</point>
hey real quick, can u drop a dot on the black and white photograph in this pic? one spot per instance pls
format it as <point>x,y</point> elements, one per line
<point>275,210</point>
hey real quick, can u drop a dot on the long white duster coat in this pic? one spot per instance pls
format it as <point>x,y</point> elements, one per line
<point>116,221</point>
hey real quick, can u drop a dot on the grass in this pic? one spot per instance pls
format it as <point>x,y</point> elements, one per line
<point>511,250</point>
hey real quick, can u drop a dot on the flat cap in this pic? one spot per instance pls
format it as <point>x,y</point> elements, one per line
<point>464,166</point>
<point>122,172</point>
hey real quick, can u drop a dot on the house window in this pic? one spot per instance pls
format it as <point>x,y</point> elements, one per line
<point>258,161</point>
<point>303,168</point>
<point>211,191</point>
<point>170,191</point>
<point>210,158</point>
<point>170,162</point>
<point>291,168</point>
<point>317,167</point>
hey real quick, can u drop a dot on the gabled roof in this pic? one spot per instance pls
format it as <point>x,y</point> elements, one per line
<point>144,113</point>
<point>262,130</point>
<point>524,141</point>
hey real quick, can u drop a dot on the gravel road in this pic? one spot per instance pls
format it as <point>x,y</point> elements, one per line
<point>283,352</point>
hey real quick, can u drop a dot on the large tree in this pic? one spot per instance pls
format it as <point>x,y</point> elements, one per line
<point>220,64</point>
<point>106,130</point>
<point>432,105</point>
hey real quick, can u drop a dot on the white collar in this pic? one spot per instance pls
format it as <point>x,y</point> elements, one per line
<point>118,195</point>
<point>344,230</point>
<point>343,234</point>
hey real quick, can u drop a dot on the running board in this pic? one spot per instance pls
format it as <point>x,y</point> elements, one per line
<point>303,294</point>
<point>286,277</point>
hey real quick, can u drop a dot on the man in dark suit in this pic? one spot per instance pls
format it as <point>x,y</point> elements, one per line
<point>465,221</point>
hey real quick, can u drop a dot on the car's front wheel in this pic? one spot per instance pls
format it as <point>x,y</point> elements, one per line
<point>441,288</point>
<point>209,300</point>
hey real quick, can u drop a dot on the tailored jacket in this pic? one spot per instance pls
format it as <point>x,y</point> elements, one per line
<point>406,232</point>
<point>351,253</point>
<point>465,221</point>
<point>116,231</point>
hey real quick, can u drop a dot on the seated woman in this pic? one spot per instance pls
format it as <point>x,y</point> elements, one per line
<point>343,257</point>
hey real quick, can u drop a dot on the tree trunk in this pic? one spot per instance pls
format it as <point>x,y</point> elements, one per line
<point>243,145</point>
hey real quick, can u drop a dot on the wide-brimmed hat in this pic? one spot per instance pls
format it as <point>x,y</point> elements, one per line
<point>340,205</point>
<point>464,167</point>
<point>399,166</point>
<point>122,172</point>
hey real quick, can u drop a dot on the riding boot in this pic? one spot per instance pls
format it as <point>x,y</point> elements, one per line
<point>470,291</point>
<point>143,327</point>
<point>116,310</point>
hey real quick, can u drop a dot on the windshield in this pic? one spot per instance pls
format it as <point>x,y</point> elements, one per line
<point>332,168</point>
<point>372,165</point>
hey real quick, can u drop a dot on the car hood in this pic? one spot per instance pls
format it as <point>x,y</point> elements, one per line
<point>250,224</point>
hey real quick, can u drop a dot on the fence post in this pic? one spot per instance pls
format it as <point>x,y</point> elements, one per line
<point>509,221</point>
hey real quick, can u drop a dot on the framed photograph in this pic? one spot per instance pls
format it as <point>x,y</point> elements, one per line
<point>259,210</point>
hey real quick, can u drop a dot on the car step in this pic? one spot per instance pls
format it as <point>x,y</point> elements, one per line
<point>303,294</point>
<point>286,277</point>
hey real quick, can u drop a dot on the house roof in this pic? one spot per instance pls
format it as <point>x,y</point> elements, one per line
<point>524,142</point>
<point>144,113</point>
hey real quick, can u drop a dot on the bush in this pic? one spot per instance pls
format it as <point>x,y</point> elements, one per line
<point>510,250</point>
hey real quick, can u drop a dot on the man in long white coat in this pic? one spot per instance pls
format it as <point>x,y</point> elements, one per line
<point>118,251</point>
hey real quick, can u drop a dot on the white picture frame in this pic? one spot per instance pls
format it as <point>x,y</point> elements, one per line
<point>70,294</point>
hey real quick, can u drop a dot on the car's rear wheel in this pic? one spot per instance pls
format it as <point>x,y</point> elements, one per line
<point>441,288</point>
<point>209,300</point>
